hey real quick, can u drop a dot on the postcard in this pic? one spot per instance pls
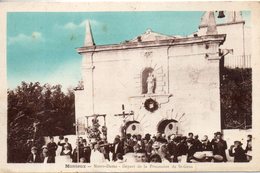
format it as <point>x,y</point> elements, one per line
<point>129,86</point>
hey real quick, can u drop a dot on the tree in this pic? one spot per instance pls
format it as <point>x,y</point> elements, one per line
<point>236,98</point>
<point>35,111</point>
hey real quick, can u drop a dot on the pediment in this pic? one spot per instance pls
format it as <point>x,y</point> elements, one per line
<point>150,35</point>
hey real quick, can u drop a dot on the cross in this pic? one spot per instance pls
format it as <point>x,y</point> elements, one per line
<point>76,124</point>
<point>124,115</point>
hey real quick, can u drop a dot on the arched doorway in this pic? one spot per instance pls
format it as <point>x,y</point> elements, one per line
<point>132,127</point>
<point>168,127</point>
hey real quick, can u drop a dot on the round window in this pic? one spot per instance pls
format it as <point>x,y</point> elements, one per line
<point>133,127</point>
<point>170,126</point>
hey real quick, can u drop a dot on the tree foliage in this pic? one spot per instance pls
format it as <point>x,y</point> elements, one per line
<point>44,107</point>
<point>236,98</point>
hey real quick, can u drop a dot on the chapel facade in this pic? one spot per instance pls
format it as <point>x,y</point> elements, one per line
<point>153,83</point>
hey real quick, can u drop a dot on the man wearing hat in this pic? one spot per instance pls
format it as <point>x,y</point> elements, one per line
<point>172,149</point>
<point>219,148</point>
<point>34,157</point>
<point>238,152</point>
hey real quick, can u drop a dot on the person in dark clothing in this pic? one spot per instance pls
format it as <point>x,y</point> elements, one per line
<point>249,143</point>
<point>190,136</point>
<point>74,155</point>
<point>140,142</point>
<point>149,147</point>
<point>139,137</point>
<point>128,144</point>
<point>191,149</point>
<point>87,153</point>
<point>52,147</point>
<point>206,144</point>
<point>85,150</point>
<point>172,149</point>
<point>80,140</point>
<point>117,148</point>
<point>238,152</point>
<point>34,157</point>
<point>66,142</point>
<point>197,144</point>
<point>147,137</point>
<point>248,148</point>
<point>45,157</point>
<point>181,144</point>
<point>61,141</point>
<point>219,147</point>
<point>160,138</point>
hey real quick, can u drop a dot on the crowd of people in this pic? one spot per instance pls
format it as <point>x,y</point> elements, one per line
<point>135,148</point>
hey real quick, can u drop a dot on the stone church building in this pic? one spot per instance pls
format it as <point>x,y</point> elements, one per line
<point>153,83</point>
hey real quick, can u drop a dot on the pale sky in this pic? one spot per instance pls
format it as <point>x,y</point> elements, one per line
<point>42,46</point>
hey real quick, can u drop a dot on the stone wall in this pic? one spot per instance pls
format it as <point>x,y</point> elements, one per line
<point>187,85</point>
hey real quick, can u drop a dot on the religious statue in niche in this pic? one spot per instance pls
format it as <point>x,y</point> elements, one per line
<point>150,83</point>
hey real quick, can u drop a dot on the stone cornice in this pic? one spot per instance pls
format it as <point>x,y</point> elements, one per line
<point>220,38</point>
<point>223,24</point>
<point>160,98</point>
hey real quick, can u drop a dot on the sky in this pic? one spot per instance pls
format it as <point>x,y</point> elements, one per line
<point>41,47</point>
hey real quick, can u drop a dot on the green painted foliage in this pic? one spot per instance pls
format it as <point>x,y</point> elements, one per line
<point>47,106</point>
<point>236,98</point>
